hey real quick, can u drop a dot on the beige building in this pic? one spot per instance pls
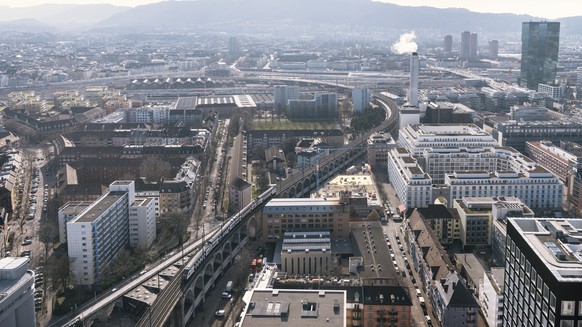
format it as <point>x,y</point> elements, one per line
<point>307,253</point>
<point>378,146</point>
<point>478,213</point>
<point>300,215</point>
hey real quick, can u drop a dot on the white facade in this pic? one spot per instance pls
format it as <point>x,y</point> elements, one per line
<point>417,138</point>
<point>413,187</point>
<point>491,297</point>
<point>16,293</point>
<point>538,189</point>
<point>360,99</point>
<point>95,236</point>
<point>142,223</point>
<point>67,213</point>
<point>553,91</point>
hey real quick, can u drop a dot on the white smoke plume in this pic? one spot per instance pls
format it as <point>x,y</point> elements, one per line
<point>405,44</point>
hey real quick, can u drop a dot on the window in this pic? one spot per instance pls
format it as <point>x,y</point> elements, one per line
<point>567,323</point>
<point>568,309</point>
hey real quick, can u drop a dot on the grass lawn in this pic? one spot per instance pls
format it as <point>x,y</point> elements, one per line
<point>284,124</point>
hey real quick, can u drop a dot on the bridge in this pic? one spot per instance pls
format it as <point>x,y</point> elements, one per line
<point>175,300</point>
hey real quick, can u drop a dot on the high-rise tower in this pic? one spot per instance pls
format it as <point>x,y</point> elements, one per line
<point>539,53</point>
<point>493,49</point>
<point>410,113</point>
<point>473,46</point>
<point>465,44</point>
<point>448,44</point>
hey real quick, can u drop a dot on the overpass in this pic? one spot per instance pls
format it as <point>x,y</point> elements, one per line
<point>175,300</point>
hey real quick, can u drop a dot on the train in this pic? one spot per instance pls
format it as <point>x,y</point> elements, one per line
<point>218,237</point>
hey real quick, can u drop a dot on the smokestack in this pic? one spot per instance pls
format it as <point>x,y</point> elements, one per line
<point>413,90</point>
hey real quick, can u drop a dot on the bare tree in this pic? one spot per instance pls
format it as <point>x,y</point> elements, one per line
<point>153,169</point>
<point>59,271</point>
<point>47,234</point>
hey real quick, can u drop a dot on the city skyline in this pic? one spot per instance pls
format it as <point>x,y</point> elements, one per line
<point>536,8</point>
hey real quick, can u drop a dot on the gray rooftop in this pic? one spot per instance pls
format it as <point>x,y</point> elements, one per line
<point>311,308</point>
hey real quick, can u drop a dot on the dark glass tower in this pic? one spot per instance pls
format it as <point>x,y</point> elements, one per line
<point>539,53</point>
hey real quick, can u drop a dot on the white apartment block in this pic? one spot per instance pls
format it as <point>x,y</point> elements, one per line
<point>68,212</point>
<point>95,236</point>
<point>412,185</point>
<point>142,223</point>
<point>416,138</point>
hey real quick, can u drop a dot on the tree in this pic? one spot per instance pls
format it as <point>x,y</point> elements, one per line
<point>47,234</point>
<point>291,159</point>
<point>154,169</point>
<point>373,215</point>
<point>59,271</point>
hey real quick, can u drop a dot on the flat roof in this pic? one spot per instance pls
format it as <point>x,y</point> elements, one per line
<point>557,243</point>
<point>311,308</point>
<point>98,207</point>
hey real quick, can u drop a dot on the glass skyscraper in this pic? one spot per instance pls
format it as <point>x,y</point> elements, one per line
<point>539,53</point>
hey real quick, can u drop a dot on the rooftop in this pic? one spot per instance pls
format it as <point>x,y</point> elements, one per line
<point>557,242</point>
<point>99,207</point>
<point>296,308</point>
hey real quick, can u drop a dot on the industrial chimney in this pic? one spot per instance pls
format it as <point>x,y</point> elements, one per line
<point>413,90</point>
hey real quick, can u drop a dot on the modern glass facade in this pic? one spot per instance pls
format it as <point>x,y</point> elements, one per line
<point>539,53</point>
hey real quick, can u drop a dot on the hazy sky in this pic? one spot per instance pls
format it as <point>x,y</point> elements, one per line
<point>539,8</point>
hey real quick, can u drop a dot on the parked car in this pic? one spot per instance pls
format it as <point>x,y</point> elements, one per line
<point>219,313</point>
<point>226,295</point>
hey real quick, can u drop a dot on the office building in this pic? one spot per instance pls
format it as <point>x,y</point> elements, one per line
<point>283,93</point>
<point>465,44</point>
<point>16,293</point>
<point>446,113</point>
<point>360,99</point>
<point>528,113</point>
<point>543,272</point>
<point>540,43</point>
<point>515,134</point>
<point>493,49</point>
<point>448,44</point>
<point>303,215</point>
<point>95,236</point>
<point>554,91</point>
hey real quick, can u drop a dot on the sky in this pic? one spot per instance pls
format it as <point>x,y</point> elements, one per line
<point>538,8</point>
